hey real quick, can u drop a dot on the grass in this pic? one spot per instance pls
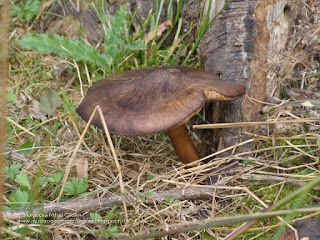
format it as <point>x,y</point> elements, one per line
<point>40,145</point>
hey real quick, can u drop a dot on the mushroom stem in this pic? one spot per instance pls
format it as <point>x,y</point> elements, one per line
<point>183,144</point>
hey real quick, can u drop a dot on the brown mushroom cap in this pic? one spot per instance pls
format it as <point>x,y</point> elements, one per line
<point>154,99</point>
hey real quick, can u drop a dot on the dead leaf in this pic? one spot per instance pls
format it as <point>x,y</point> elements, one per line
<point>129,173</point>
<point>300,94</point>
<point>82,168</point>
<point>161,28</point>
<point>288,236</point>
<point>30,107</point>
<point>49,101</point>
<point>304,103</point>
<point>18,157</point>
<point>307,104</point>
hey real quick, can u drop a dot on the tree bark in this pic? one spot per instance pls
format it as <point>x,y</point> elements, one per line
<point>238,47</point>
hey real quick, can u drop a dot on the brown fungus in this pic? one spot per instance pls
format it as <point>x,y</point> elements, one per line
<point>156,99</point>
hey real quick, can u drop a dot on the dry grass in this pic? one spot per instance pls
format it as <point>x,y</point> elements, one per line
<point>283,156</point>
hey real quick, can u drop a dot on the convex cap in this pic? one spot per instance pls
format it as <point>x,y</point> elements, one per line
<point>154,99</point>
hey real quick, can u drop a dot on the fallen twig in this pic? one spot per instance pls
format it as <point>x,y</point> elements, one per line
<point>249,124</point>
<point>84,205</point>
<point>259,177</point>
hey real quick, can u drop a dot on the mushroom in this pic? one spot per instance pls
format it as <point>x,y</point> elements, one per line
<point>156,99</point>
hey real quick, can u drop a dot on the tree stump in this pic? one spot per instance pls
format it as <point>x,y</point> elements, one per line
<point>240,46</point>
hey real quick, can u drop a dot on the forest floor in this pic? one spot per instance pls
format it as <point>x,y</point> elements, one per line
<point>51,163</point>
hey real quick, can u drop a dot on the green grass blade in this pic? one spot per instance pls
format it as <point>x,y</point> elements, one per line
<point>203,29</point>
